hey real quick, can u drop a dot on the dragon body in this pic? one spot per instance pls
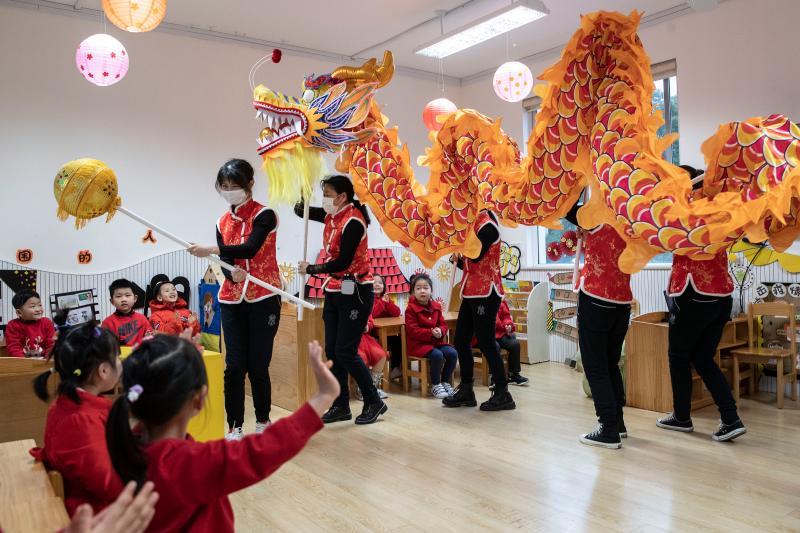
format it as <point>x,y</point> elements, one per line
<point>596,128</point>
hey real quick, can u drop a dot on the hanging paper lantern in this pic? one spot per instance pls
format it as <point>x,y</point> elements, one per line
<point>512,81</point>
<point>135,15</point>
<point>434,109</point>
<point>102,59</point>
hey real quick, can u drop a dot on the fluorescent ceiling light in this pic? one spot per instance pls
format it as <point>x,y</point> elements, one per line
<point>509,18</point>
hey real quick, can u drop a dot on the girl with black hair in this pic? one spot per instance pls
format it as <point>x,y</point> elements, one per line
<point>348,294</point>
<point>246,237</point>
<point>700,303</point>
<point>87,363</point>
<point>164,386</point>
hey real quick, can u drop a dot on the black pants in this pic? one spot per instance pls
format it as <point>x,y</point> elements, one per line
<point>601,331</point>
<point>395,351</point>
<point>696,324</point>
<point>250,330</point>
<point>476,318</point>
<point>510,344</point>
<point>345,318</point>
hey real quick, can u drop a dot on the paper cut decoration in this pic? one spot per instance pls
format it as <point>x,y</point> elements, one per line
<point>149,237</point>
<point>24,256</point>
<point>382,262</point>
<point>288,271</point>
<point>19,279</point>
<point>510,260</point>
<point>444,271</point>
<point>84,257</point>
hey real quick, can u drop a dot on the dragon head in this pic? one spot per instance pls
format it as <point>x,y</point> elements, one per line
<point>329,116</point>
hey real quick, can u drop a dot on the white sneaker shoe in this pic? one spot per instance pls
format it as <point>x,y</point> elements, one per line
<point>234,434</point>
<point>439,391</point>
<point>261,426</point>
<point>449,388</point>
<point>396,373</point>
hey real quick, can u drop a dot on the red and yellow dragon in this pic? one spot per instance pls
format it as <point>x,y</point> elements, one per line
<point>596,128</point>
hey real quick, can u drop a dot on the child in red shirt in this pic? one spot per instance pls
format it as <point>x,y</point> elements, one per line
<point>31,334</point>
<point>165,385</point>
<point>504,329</point>
<point>425,336</point>
<point>128,326</point>
<point>170,314</point>
<point>370,350</point>
<point>87,362</point>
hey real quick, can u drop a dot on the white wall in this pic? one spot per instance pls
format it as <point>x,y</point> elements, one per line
<point>183,109</point>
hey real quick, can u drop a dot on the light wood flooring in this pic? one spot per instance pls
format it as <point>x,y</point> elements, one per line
<point>426,468</point>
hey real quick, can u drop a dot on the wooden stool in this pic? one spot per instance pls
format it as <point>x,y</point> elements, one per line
<point>422,373</point>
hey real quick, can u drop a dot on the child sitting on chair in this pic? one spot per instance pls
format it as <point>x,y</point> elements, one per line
<point>31,334</point>
<point>128,326</point>
<point>425,336</point>
<point>170,314</point>
<point>370,349</point>
<point>504,329</point>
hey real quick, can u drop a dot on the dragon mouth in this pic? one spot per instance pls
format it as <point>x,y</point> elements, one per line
<point>283,125</point>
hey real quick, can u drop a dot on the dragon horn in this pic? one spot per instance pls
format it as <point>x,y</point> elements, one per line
<point>368,72</point>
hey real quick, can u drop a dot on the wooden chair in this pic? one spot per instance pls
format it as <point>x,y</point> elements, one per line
<point>57,481</point>
<point>24,414</point>
<point>422,373</point>
<point>753,354</point>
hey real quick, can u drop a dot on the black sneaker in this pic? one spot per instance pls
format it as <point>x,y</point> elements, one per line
<point>336,414</point>
<point>728,432</point>
<point>500,401</point>
<point>464,396</point>
<point>670,422</point>
<point>603,437</point>
<point>623,431</point>
<point>518,379</point>
<point>371,412</point>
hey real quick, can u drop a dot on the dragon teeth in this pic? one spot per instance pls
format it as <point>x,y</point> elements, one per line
<point>298,128</point>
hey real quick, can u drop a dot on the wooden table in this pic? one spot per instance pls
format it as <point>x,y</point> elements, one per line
<point>27,499</point>
<point>390,327</point>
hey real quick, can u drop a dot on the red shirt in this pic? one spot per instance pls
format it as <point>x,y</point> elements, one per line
<point>420,321</point>
<point>384,307</point>
<point>75,445</point>
<point>601,277</point>
<point>707,277</point>
<point>481,277</point>
<point>194,479</point>
<point>172,319</point>
<point>129,329</point>
<point>235,227</point>
<point>332,239</point>
<point>31,335</point>
<point>503,319</point>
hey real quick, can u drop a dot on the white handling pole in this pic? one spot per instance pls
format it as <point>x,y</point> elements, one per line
<point>577,267</point>
<point>306,209</point>
<point>214,258</point>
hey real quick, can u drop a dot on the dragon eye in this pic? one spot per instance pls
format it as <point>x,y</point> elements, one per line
<point>308,96</point>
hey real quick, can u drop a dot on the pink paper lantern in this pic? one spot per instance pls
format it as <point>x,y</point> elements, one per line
<point>513,81</point>
<point>434,109</point>
<point>102,59</point>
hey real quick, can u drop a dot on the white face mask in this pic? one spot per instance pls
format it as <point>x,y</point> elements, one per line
<point>235,197</point>
<point>328,206</point>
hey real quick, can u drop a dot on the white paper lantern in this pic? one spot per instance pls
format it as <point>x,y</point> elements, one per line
<point>102,59</point>
<point>513,81</point>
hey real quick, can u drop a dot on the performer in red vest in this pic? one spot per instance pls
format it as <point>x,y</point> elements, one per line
<point>604,311</point>
<point>246,236</point>
<point>700,303</point>
<point>481,293</point>
<point>349,294</point>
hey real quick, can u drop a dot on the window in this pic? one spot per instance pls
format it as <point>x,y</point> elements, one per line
<point>554,246</point>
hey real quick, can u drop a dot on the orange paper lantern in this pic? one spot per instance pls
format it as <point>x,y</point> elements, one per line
<point>135,15</point>
<point>434,109</point>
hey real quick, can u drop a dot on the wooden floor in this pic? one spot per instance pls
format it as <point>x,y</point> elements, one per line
<point>426,468</point>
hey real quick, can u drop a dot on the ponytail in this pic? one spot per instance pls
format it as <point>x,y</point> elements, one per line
<point>77,354</point>
<point>341,183</point>
<point>158,378</point>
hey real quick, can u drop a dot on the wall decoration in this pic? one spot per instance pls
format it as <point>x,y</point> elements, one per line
<point>444,271</point>
<point>80,306</point>
<point>512,81</point>
<point>24,256</point>
<point>84,257</point>
<point>102,60</point>
<point>135,15</point>
<point>16,280</point>
<point>569,242</point>
<point>209,313</point>
<point>564,313</point>
<point>382,262</point>
<point>149,237</point>
<point>434,109</point>
<point>288,271</point>
<point>764,255</point>
<point>554,251</point>
<point>563,295</point>
<point>743,275</point>
<point>510,260</point>
<point>406,257</point>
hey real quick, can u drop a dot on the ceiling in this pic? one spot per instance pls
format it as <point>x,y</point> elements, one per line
<point>347,29</point>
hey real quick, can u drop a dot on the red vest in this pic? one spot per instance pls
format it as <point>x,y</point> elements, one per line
<point>601,277</point>
<point>707,277</point>
<point>235,227</point>
<point>480,277</point>
<point>332,239</point>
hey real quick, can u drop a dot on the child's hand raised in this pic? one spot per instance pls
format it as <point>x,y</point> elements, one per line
<point>326,382</point>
